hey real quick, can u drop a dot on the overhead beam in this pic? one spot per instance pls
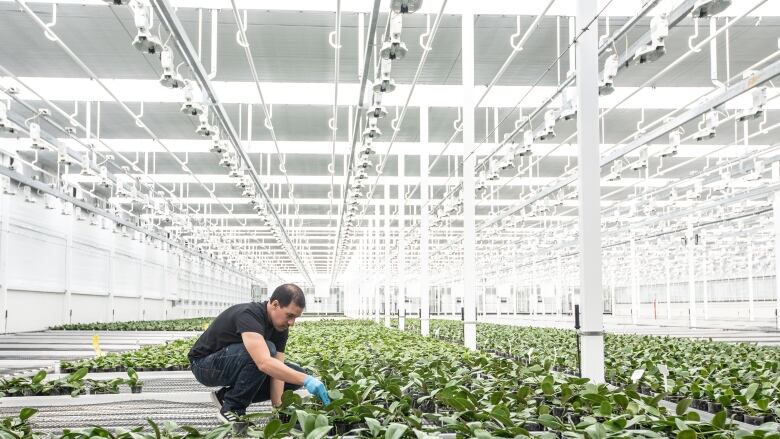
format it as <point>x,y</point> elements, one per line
<point>321,93</point>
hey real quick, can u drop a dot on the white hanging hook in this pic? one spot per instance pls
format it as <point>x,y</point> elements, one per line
<point>139,116</point>
<point>47,33</point>
<point>424,37</point>
<point>72,116</point>
<point>243,26</point>
<point>515,46</point>
<point>332,124</point>
<point>332,40</point>
<point>458,123</point>
<point>268,118</point>
<point>694,36</point>
<point>394,122</point>
<point>331,170</point>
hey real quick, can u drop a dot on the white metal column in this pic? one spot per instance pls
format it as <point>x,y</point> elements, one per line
<point>425,295</point>
<point>634,284</point>
<point>668,290</point>
<point>592,348</point>
<point>705,299</point>
<point>401,243</point>
<point>4,234</point>
<point>776,215</point>
<point>388,271</point>
<point>377,245</point>
<point>751,284</point>
<point>690,246</point>
<point>469,164</point>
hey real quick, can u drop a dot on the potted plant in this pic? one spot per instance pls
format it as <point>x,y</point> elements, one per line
<point>132,380</point>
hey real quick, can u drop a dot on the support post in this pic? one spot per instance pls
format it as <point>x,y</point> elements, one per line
<point>705,299</point>
<point>690,246</point>
<point>751,284</point>
<point>469,164</point>
<point>425,295</point>
<point>592,308</point>
<point>401,244</point>
<point>776,216</point>
<point>5,200</point>
<point>388,276</point>
<point>634,284</point>
<point>668,291</point>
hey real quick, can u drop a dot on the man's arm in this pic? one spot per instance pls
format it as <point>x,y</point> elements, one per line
<point>258,350</point>
<point>277,386</point>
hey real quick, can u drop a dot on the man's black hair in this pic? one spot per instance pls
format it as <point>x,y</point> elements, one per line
<point>288,293</point>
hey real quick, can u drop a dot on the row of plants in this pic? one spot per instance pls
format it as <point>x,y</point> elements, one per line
<point>396,384</point>
<point>169,356</point>
<point>194,324</point>
<point>73,384</point>
<point>741,378</point>
<point>393,384</point>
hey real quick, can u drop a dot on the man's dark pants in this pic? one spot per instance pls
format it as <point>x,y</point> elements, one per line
<point>233,367</point>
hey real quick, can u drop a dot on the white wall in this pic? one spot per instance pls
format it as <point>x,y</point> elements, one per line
<point>57,268</point>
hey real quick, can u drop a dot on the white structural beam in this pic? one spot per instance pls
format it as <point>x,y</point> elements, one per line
<point>592,335</point>
<point>401,300</point>
<point>321,94</point>
<point>469,164</point>
<point>323,148</point>
<point>691,256</point>
<point>424,286</point>
<point>635,310</point>
<point>751,284</point>
<point>388,247</point>
<point>776,217</point>
<point>620,9</point>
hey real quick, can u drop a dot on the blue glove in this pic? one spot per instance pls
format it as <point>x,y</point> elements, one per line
<point>315,387</point>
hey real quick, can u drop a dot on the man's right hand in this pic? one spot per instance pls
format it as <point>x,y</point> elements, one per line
<point>315,387</point>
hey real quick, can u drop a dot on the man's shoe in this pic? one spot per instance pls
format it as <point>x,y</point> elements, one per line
<point>228,416</point>
<point>218,397</point>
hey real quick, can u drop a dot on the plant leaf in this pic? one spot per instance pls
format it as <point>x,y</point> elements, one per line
<point>395,431</point>
<point>319,432</point>
<point>682,407</point>
<point>686,434</point>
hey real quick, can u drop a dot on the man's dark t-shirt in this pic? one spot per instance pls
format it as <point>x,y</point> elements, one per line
<point>226,329</point>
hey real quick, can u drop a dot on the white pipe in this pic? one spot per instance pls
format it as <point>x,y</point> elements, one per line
<point>714,53</point>
<point>214,34</point>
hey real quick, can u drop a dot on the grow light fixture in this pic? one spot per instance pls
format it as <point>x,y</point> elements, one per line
<point>62,156</point>
<point>568,104</point>
<point>493,170</point>
<point>674,143</point>
<point>367,148</point>
<point>708,8</point>
<point>142,17</point>
<point>394,48</point>
<point>710,122</point>
<point>169,77</point>
<point>481,181</point>
<point>376,110</point>
<point>659,30</point>
<point>193,98</point>
<point>218,146</point>
<point>548,132</point>
<point>611,64</point>
<point>405,6</point>
<point>641,163</point>
<point>384,83</point>
<point>105,181</point>
<point>508,160</point>
<point>5,124</point>
<point>757,109</point>
<point>35,137</point>
<point>372,131</point>
<point>364,162</point>
<point>755,174</point>
<point>615,172</point>
<point>205,129</point>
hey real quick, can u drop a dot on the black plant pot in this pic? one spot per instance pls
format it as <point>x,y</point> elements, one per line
<point>575,418</point>
<point>737,415</point>
<point>532,426</point>
<point>240,428</point>
<point>674,398</point>
<point>714,407</point>
<point>558,412</point>
<point>136,388</point>
<point>27,392</point>
<point>699,404</point>
<point>754,420</point>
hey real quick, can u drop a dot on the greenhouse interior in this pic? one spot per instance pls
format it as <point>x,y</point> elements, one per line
<point>389,219</point>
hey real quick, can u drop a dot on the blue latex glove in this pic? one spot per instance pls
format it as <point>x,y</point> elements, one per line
<point>316,388</point>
